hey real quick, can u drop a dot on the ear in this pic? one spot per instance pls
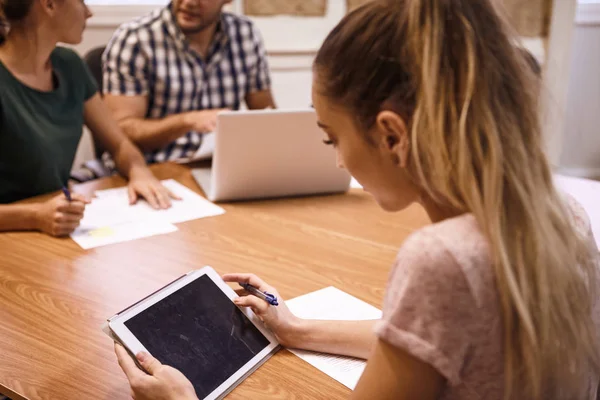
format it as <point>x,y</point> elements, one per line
<point>394,136</point>
<point>49,6</point>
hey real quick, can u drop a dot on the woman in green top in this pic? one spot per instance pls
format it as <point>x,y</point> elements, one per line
<point>47,94</point>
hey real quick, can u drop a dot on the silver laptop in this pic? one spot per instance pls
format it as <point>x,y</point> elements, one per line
<point>268,154</point>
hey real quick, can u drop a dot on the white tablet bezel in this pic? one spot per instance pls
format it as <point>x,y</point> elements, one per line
<point>133,345</point>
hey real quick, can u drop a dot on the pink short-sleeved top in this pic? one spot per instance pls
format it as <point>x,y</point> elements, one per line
<point>442,306</point>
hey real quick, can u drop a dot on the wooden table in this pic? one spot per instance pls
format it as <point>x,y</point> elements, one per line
<point>55,296</point>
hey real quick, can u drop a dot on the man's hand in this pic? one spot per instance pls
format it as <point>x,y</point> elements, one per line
<point>204,121</point>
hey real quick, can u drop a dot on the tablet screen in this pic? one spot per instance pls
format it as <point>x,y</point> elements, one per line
<point>199,331</point>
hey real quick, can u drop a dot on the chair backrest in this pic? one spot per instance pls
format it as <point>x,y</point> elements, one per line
<point>93,59</point>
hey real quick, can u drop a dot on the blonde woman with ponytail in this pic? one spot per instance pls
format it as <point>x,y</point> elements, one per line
<point>428,101</point>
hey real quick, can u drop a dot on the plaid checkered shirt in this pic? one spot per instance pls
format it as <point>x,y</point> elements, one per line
<point>151,56</point>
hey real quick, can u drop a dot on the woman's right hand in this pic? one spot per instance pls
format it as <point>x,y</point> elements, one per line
<point>59,216</point>
<point>279,319</point>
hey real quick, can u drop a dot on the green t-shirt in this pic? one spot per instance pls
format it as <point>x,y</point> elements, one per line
<point>40,131</point>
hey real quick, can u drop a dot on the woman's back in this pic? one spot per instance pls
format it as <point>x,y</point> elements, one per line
<point>442,306</point>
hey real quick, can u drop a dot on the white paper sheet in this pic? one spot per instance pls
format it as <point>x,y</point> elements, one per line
<point>207,147</point>
<point>354,184</point>
<point>89,238</point>
<point>110,219</point>
<point>205,151</point>
<point>333,304</point>
<point>191,206</point>
<point>109,211</point>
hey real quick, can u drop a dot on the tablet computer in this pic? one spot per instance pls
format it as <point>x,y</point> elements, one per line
<point>193,325</point>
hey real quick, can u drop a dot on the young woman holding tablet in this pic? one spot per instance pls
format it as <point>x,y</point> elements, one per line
<point>429,101</point>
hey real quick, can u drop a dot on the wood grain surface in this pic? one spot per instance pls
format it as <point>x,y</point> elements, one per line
<point>55,296</point>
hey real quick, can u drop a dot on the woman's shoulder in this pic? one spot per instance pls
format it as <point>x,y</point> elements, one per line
<point>578,215</point>
<point>63,57</point>
<point>460,238</point>
<point>454,250</point>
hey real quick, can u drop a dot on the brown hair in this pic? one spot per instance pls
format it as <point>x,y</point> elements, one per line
<point>469,98</point>
<point>12,11</point>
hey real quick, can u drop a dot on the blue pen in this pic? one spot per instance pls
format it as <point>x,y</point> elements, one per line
<point>269,298</point>
<point>66,192</point>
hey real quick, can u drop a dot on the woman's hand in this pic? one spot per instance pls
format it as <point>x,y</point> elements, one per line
<point>160,383</point>
<point>59,216</point>
<point>279,319</point>
<point>143,183</point>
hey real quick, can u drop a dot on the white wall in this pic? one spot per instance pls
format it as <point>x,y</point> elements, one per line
<point>580,151</point>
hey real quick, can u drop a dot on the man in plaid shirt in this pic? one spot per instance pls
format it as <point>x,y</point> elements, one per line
<point>168,74</point>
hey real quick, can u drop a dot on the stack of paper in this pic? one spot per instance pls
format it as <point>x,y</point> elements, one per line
<point>191,206</point>
<point>205,151</point>
<point>333,304</point>
<point>110,219</point>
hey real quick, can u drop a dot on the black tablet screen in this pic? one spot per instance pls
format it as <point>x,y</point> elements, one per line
<point>199,331</point>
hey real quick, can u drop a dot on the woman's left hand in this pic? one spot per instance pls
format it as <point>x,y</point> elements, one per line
<point>143,183</point>
<point>159,382</point>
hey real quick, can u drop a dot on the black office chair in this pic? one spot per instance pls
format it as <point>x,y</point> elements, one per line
<point>93,169</point>
<point>93,59</point>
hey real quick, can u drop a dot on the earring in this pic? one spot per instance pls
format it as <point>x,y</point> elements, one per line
<point>396,159</point>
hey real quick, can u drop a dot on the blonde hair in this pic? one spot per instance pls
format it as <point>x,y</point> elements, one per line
<point>449,67</point>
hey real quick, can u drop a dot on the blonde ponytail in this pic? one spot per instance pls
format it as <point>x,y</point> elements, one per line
<point>543,266</point>
<point>470,100</point>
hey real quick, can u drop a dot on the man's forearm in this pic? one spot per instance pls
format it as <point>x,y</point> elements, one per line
<point>153,134</point>
<point>18,217</point>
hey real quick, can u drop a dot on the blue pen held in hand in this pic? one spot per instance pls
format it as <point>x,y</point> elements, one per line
<point>269,298</point>
<point>67,193</point>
